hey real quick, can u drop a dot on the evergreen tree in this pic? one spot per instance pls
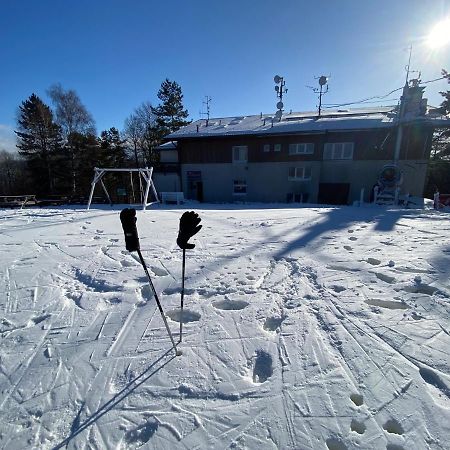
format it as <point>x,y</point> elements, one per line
<point>445,105</point>
<point>39,140</point>
<point>113,152</point>
<point>86,148</point>
<point>170,114</point>
<point>439,167</point>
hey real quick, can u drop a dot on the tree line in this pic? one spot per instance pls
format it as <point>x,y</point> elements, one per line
<point>58,147</point>
<point>439,165</point>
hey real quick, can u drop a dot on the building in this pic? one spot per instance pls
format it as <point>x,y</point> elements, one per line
<point>303,157</point>
<point>166,174</point>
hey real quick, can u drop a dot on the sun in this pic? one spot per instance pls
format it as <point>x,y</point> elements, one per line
<point>439,35</point>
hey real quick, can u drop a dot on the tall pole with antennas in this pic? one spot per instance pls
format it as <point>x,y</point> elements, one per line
<point>321,90</point>
<point>207,103</point>
<point>280,90</point>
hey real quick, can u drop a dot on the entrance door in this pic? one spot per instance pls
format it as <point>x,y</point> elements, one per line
<point>334,193</point>
<point>200,191</point>
<point>195,190</point>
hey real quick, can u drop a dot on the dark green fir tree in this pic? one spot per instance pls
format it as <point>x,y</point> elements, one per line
<point>39,142</point>
<point>170,114</point>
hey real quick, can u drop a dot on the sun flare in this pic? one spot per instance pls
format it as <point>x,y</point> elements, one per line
<point>439,35</point>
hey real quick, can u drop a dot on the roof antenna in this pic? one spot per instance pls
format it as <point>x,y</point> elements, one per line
<point>207,102</point>
<point>280,90</point>
<point>323,81</point>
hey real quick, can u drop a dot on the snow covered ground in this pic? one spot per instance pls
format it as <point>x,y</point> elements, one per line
<point>321,328</point>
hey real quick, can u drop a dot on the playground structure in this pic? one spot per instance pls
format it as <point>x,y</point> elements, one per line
<point>145,175</point>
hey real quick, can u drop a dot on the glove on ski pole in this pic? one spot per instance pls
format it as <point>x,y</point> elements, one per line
<point>189,226</point>
<point>128,219</point>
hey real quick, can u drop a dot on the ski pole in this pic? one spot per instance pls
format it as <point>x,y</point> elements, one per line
<point>128,219</point>
<point>189,225</point>
<point>182,293</point>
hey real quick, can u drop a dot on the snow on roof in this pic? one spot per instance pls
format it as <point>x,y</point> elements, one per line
<point>295,122</point>
<point>167,146</point>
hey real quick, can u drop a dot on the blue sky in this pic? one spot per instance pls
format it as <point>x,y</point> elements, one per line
<point>116,53</point>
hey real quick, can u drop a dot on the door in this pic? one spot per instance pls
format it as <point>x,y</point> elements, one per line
<point>334,193</point>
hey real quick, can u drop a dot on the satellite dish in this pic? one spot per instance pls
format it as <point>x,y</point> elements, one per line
<point>280,105</point>
<point>323,80</point>
<point>277,88</point>
<point>277,79</point>
<point>278,114</point>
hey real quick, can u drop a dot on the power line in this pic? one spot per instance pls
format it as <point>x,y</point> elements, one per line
<point>432,81</point>
<point>367,100</point>
<point>364,100</point>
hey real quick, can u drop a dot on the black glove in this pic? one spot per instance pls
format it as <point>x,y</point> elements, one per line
<point>189,225</point>
<point>128,219</point>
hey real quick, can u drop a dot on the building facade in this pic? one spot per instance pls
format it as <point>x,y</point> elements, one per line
<point>302,158</point>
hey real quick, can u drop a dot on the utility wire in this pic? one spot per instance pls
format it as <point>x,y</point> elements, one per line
<point>432,81</point>
<point>335,105</point>
<point>366,100</point>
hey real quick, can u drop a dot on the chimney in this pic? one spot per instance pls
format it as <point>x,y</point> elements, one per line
<point>414,103</point>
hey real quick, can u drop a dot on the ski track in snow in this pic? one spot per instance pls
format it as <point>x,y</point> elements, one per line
<point>304,328</point>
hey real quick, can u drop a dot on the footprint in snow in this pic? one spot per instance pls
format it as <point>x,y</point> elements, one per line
<point>273,323</point>
<point>388,304</point>
<point>353,238</point>
<point>335,444</point>
<point>394,427</point>
<point>188,315</point>
<point>338,288</point>
<point>357,399</point>
<point>357,427</point>
<point>373,261</point>
<point>262,366</point>
<point>230,305</point>
<point>141,435</point>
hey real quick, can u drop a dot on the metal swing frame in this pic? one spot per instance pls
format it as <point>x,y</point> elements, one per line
<point>145,174</point>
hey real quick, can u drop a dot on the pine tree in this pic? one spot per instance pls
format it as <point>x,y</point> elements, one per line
<point>439,167</point>
<point>39,140</point>
<point>113,153</point>
<point>445,105</point>
<point>170,114</point>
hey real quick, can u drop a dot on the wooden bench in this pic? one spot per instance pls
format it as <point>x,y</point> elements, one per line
<point>172,197</point>
<point>13,201</point>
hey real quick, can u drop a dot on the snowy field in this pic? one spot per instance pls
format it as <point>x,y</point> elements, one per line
<point>306,328</point>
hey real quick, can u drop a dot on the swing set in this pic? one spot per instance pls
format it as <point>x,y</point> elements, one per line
<point>145,177</point>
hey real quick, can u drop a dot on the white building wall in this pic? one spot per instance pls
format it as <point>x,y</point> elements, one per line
<point>268,182</point>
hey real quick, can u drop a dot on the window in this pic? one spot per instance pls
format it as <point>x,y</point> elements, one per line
<point>301,149</point>
<point>338,150</point>
<point>277,148</point>
<point>239,187</point>
<point>266,147</point>
<point>240,153</point>
<point>299,173</point>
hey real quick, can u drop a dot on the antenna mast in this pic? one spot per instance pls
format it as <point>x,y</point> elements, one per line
<point>206,102</point>
<point>323,81</point>
<point>280,90</point>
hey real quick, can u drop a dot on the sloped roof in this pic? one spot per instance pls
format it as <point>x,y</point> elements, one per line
<point>167,146</point>
<point>299,122</point>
